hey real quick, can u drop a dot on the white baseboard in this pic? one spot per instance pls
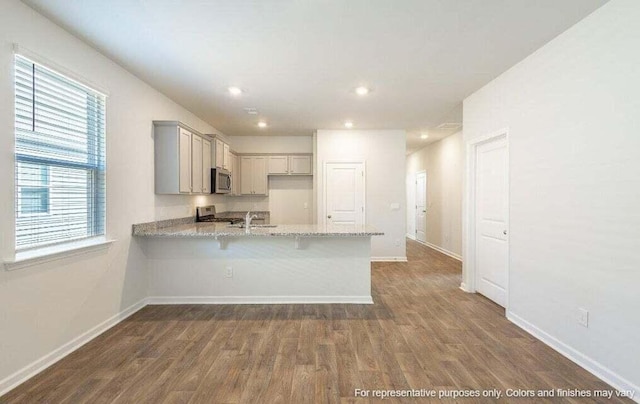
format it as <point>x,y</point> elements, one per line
<point>27,372</point>
<point>590,365</point>
<point>260,300</point>
<point>411,236</point>
<point>388,259</point>
<point>442,250</point>
<point>465,288</point>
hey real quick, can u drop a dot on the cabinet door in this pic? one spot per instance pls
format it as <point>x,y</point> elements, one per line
<point>226,156</point>
<point>260,175</point>
<point>278,165</point>
<point>206,166</point>
<point>300,165</point>
<point>235,181</point>
<point>246,175</point>
<point>196,164</point>
<point>219,154</point>
<point>184,156</point>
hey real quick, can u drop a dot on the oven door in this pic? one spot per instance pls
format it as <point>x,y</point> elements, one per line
<point>221,181</point>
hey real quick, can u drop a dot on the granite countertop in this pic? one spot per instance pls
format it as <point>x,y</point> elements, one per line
<point>203,230</point>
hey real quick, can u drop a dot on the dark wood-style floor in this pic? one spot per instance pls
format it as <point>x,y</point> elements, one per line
<point>421,333</point>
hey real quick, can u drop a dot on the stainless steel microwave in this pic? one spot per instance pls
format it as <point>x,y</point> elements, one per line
<point>220,181</point>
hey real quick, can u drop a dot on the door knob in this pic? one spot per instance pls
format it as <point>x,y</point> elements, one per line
<point>424,211</point>
<point>329,217</point>
<point>504,232</point>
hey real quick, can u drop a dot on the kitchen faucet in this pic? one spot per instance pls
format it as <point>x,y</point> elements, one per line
<point>248,219</point>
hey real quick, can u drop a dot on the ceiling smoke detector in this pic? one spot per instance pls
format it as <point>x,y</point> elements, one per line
<point>449,126</point>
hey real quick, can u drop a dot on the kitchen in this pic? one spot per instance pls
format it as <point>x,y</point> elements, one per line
<point>213,257</point>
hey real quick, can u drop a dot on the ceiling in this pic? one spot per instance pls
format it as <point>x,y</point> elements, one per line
<point>298,62</point>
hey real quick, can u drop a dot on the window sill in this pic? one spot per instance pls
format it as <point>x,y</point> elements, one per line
<point>51,253</point>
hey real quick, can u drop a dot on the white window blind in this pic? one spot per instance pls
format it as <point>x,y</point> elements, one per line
<point>60,158</point>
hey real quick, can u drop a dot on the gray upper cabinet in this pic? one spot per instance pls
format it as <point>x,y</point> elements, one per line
<point>222,155</point>
<point>182,159</point>
<point>300,165</point>
<point>206,166</point>
<point>253,175</point>
<point>290,165</point>
<point>278,165</point>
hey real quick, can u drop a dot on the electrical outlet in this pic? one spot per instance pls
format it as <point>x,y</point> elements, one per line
<point>306,205</point>
<point>583,317</point>
<point>229,272</point>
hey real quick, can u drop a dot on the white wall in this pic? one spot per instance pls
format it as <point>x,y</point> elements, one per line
<point>572,109</point>
<point>383,152</point>
<point>265,270</point>
<point>290,199</point>
<point>45,306</point>
<point>442,161</point>
<point>271,144</point>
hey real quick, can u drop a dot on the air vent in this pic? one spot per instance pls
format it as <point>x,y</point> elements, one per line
<point>251,111</point>
<point>449,126</point>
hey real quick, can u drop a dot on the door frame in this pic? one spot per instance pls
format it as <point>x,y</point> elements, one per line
<point>469,267</point>
<point>324,186</point>
<point>415,205</point>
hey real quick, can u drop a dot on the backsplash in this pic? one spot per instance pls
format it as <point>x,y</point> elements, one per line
<point>243,203</point>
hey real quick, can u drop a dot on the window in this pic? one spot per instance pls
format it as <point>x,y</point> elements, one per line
<point>60,158</point>
<point>33,191</point>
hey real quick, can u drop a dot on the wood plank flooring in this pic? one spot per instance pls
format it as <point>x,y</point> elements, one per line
<point>421,333</point>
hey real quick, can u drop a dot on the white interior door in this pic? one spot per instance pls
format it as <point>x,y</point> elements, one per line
<point>491,199</point>
<point>344,193</point>
<point>421,206</point>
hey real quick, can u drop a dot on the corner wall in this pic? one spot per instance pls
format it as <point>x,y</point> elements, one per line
<point>442,161</point>
<point>572,110</point>
<point>383,152</point>
<point>46,307</point>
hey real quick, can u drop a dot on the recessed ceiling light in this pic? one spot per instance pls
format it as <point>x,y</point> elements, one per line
<point>362,90</point>
<point>262,124</point>
<point>424,136</point>
<point>348,124</point>
<point>235,90</point>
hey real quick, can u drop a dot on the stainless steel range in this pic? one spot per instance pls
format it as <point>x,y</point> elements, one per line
<point>208,214</point>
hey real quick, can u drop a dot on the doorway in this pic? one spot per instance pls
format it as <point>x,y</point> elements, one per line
<point>344,192</point>
<point>421,206</point>
<point>489,217</point>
